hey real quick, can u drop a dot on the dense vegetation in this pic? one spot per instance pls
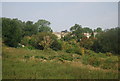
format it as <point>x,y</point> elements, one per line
<point>23,63</point>
<point>34,45</point>
<point>15,31</point>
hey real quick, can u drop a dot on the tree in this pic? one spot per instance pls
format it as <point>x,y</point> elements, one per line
<point>77,31</point>
<point>67,37</point>
<point>29,29</point>
<point>87,43</point>
<point>108,41</point>
<point>43,26</point>
<point>98,30</point>
<point>11,31</point>
<point>87,30</point>
<point>0,29</point>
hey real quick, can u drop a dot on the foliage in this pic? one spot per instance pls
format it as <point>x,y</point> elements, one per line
<point>43,26</point>
<point>0,28</point>
<point>72,47</point>
<point>108,63</point>
<point>87,30</point>
<point>98,30</point>
<point>56,45</point>
<point>108,41</point>
<point>11,31</point>
<point>100,60</point>
<point>77,31</point>
<point>87,42</point>
<point>43,40</point>
<point>26,40</point>
<point>29,29</point>
<point>68,37</point>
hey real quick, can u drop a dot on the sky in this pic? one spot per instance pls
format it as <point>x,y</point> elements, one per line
<point>63,15</point>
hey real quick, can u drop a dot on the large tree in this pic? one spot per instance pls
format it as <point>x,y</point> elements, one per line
<point>43,26</point>
<point>11,31</point>
<point>108,41</point>
<point>29,28</point>
<point>87,30</point>
<point>77,31</point>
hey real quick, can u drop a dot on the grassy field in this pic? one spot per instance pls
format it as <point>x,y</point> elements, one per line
<point>20,63</point>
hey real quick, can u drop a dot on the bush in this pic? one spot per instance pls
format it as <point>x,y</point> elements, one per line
<point>29,47</point>
<point>76,50</point>
<point>56,45</point>
<point>89,52</point>
<point>43,40</point>
<point>85,59</point>
<point>91,60</point>
<point>72,47</point>
<point>25,41</point>
<point>94,61</point>
<point>108,54</point>
<point>101,61</point>
<point>66,57</point>
<point>42,57</point>
<point>87,43</point>
<point>110,63</point>
<point>27,57</point>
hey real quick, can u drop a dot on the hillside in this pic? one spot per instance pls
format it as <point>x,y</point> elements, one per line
<point>21,63</point>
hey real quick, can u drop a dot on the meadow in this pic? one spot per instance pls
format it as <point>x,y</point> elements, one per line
<point>24,63</point>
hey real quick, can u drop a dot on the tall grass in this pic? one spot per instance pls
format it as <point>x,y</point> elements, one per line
<point>17,66</point>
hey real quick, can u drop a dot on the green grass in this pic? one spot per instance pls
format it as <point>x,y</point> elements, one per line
<point>19,63</point>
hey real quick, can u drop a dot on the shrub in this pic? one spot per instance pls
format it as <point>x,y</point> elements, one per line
<point>27,57</point>
<point>89,52</point>
<point>25,41</point>
<point>66,57</point>
<point>85,59</point>
<point>98,61</point>
<point>72,47</point>
<point>70,50</point>
<point>108,54</point>
<point>87,43</point>
<point>42,57</point>
<point>43,40</point>
<point>56,45</point>
<point>76,50</point>
<point>94,61</point>
<point>29,47</point>
<point>110,63</point>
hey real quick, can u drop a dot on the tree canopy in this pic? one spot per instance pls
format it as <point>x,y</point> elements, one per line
<point>43,26</point>
<point>29,28</point>
<point>11,31</point>
<point>108,41</point>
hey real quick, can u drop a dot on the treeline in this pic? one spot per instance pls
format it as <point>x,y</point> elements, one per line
<point>38,35</point>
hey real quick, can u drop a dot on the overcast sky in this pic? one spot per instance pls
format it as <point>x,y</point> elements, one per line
<point>63,15</point>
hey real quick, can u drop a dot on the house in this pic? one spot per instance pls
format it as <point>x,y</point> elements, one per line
<point>58,34</point>
<point>87,34</point>
<point>95,33</point>
<point>63,33</point>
